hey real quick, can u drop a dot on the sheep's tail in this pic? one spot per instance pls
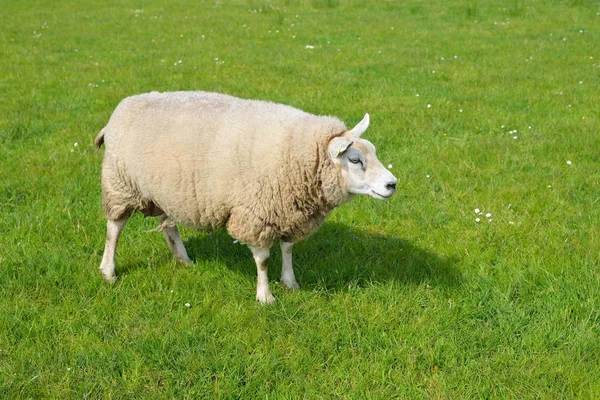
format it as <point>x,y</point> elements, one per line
<point>99,141</point>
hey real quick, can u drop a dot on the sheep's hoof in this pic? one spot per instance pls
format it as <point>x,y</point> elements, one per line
<point>184,261</point>
<point>291,285</point>
<point>265,298</point>
<point>109,278</point>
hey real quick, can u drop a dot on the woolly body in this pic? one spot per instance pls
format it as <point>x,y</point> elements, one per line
<point>211,160</point>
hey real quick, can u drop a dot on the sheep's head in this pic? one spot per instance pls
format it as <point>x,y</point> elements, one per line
<point>360,170</point>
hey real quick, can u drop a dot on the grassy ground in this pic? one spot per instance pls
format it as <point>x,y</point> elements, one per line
<point>476,104</point>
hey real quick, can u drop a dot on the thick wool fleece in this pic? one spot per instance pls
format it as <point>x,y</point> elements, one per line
<point>211,160</point>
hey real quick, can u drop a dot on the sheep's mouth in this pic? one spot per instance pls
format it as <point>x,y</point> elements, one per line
<point>382,196</point>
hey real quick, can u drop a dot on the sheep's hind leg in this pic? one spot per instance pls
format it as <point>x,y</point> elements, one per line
<point>173,238</point>
<point>113,231</point>
<point>288,279</point>
<point>261,257</point>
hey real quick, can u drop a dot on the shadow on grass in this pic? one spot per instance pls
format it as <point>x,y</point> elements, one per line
<point>336,257</point>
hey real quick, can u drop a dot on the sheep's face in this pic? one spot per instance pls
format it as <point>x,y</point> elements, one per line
<point>360,170</point>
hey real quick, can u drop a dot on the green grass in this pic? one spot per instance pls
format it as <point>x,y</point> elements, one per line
<point>410,298</point>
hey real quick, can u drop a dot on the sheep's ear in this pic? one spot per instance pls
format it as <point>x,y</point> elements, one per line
<point>361,127</point>
<point>337,146</point>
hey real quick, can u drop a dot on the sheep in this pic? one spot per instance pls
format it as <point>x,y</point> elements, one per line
<point>264,171</point>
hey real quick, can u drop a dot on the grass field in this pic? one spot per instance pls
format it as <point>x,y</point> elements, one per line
<point>475,104</point>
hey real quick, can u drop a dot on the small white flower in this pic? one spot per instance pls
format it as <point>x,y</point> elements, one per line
<point>529,127</point>
<point>389,166</point>
<point>477,220</point>
<point>569,162</point>
<point>235,241</point>
<point>460,110</point>
<point>515,137</point>
<point>489,220</point>
<point>477,211</point>
<point>188,305</point>
<point>308,46</point>
<point>511,223</point>
<point>428,105</point>
<point>488,215</point>
<point>75,144</point>
<point>427,176</point>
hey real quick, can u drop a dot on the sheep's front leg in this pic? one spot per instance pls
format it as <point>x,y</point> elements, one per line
<point>288,279</point>
<point>261,257</point>
<point>174,241</point>
<point>113,231</point>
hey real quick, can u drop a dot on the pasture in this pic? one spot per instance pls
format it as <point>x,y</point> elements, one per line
<point>476,105</point>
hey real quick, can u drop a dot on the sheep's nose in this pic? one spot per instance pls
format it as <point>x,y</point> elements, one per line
<point>391,186</point>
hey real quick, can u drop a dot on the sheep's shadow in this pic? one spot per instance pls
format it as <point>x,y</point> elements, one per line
<point>336,257</point>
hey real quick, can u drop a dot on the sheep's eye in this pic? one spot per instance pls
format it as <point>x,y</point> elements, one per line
<point>355,160</point>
